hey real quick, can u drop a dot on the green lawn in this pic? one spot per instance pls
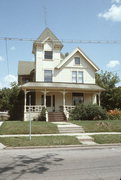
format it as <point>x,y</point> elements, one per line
<point>107,139</point>
<point>100,126</point>
<point>39,141</point>
<point>21,127</point>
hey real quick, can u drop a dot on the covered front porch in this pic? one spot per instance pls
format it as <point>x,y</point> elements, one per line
<point>56,99</point>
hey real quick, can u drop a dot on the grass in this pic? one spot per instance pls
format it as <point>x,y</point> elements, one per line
<point>39,141</point>
<point>100,126</point>
<point>107,139</point>
<point>21,127</point>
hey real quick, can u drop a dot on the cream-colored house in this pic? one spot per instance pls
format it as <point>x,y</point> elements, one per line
<point>55,81</point>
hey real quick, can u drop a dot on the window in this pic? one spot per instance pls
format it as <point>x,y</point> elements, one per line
<point>77,60</point>
<point>48,75</point>
<point>77,76</point>
<point>48,55</point>
<point>77,98</point>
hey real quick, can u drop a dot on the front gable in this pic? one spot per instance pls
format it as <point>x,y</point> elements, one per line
<point>69,61</point>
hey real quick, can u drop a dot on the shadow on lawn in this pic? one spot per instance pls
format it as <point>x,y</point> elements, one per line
<point>24,164</point>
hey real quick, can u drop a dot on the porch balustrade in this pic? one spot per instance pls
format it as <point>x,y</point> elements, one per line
<point>67,109</point>
<point>34,108</point>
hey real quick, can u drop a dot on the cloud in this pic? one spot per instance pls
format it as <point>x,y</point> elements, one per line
<point>113,13</point>
<point>13,48</point>
<point>1,58</point>
<point>116,1</point>
<point>113,63</point>
<point>7,80</point>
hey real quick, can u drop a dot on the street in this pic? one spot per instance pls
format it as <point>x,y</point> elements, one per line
<point>61,164</point>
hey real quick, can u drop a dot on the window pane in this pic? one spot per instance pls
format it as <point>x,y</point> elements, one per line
<point>80,76</point>
<point>74,76</point>
<point>47,75</point>
<point>77,60</point>
<point>48,54</point>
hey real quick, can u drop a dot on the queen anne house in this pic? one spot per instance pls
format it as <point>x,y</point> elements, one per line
<point>55,81</point>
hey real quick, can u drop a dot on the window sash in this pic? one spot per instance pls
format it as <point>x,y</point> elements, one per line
<point>48,55</point>
<point>48,75</point>
<point>80,76</point>
<point>77,60</point>
<point>74,76</point>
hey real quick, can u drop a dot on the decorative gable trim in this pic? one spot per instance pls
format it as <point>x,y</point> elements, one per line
<point>83,54</point>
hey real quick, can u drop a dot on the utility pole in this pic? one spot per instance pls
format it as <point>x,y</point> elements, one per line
<point>30,125</point>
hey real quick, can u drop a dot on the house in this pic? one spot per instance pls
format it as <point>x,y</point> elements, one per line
<point>56,81</point>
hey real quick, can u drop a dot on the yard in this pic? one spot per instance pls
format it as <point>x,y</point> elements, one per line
<point>39,141</point>
<point>21,127</point>
<point>107,139</point>
<point>100,126</point>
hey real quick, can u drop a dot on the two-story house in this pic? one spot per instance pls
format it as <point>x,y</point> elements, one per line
<point>55,81</point>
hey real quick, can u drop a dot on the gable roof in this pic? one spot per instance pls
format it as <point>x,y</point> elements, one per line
<point>48,34</point>
<point>83,54</point>
<point>25,67</point>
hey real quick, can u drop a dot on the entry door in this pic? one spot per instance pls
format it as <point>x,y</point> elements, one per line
<point>50,102</point>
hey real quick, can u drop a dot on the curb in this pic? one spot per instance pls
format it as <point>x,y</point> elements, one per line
<point>82,147</point>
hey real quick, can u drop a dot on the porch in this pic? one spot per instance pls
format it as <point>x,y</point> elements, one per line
<point>55,101</point>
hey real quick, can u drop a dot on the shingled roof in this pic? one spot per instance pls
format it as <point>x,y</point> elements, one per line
<point>25,67</point>
<point>47,33</point>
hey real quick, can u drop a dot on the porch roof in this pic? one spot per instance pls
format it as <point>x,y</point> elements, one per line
<point>59,86</point>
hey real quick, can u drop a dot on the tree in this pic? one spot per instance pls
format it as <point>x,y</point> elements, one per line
<point>108,81</point>
<point>12,100</point>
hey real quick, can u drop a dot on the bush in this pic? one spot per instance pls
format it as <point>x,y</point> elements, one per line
<point>88,112</point>
<point>114,114</point>
<point>42,115</point>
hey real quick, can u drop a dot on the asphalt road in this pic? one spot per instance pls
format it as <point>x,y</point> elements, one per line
<point>61,164</point>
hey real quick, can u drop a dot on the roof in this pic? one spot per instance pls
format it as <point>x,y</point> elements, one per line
<point>47,33</point>
<point>83,54</point>
<point>59,86</point>
<point>25,67</point>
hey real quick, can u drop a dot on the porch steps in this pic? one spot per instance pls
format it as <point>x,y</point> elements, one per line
<point>68,128</point>
<point>56,117</point>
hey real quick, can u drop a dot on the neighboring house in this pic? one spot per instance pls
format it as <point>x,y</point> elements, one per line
<point>55,81</point>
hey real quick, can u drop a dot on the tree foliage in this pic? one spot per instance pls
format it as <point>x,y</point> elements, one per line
<point>11,100</point>
<point>110,98</point>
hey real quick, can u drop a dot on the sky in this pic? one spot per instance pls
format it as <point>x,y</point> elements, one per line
<point>86,20</point>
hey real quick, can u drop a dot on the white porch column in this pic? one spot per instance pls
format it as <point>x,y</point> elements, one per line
<point>45,97</point>
<point>25,92</point>
<point>94,98</point>
<point>64,101</point>
<point>99,98</point>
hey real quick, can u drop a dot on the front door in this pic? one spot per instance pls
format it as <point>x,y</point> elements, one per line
<point>50,102</point>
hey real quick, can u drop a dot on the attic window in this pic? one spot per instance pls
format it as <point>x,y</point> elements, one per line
<point>48,55</point>
<point>77,60</point>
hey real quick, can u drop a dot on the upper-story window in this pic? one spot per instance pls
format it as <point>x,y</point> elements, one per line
<point>48,55</point>
<point>77,76</point>
<point>48,75</point>
<point>77,60</point>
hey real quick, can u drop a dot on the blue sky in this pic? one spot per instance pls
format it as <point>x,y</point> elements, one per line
<point>69,20</point>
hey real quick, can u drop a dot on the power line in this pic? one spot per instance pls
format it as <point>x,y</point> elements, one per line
<point>64,41</point>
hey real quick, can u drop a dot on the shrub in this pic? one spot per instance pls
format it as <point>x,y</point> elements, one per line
<point>114,114</point>
<point>88,112</point>
<point>42,115</point>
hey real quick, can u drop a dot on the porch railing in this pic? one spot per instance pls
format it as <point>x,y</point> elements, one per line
<point>67,109</point>
<point>37,109</point>
<point>34,108</point>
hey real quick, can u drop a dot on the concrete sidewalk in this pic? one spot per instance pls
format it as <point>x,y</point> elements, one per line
<point>66,134</point>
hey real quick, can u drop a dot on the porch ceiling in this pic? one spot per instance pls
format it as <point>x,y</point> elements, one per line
<point>63,86</point>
